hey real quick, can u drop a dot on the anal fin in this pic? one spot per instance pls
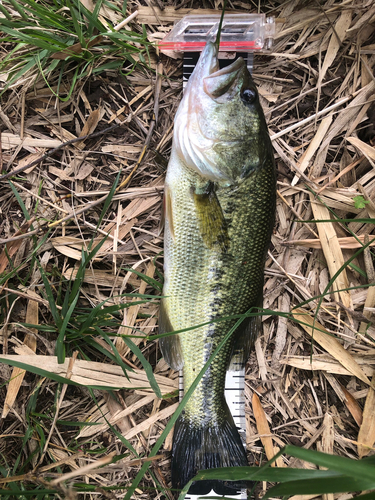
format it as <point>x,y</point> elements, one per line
<point>170,345</point>
<point>245,337</point>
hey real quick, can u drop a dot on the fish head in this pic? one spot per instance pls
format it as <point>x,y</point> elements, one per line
<point>220,129</point>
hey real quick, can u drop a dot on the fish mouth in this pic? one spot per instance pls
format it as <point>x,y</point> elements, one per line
<point>225,81</point>
<point>237,65</point>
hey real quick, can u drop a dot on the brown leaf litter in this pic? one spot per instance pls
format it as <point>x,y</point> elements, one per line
<point>310,379</point>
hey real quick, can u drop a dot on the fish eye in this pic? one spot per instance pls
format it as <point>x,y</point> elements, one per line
<point>248,96</point>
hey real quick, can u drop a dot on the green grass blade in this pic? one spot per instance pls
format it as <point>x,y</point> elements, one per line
<point>114,351</point>
<point>43,14</point>
<point>77,23</point>
<point>38,63</point>
<point>50,298</point>
<point>17,6</point>
<point>93,19</point>
<point>26,66</point>
<point>265,473</point>
<point>60,347</point>
<point>35,40</point>
<point>146,365</point>
<point>320,486</point>
<point>343,474</point>
<point>108,200</point>
<point>17,493</point>
<point>108,66</point>
<point>367,496</point>
<point>150,281</point>
<point>19,200</point>
<point>4,11</point>
<point>359,468</point>
<point>113,428</point>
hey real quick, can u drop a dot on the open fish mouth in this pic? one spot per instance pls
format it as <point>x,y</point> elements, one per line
<point>234,67</point>
<point>224,81</point>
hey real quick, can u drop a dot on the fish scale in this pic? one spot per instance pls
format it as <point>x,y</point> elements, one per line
<point>219,212</point>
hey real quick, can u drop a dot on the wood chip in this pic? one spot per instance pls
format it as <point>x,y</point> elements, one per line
<point>103,418</point>
<point>364,148</point>
<point>326,364</point>
<point>332,252</point>
<point>366,435</point>
<point>91,123</point>
<point>146,424</point>
<point>93,373</point>
<point>12,248</point>
<point>154,15</point>
<point>9,141</point>
<point>326,444</point>
<point>32,317</point>
<point>264,431</point>
<point>329,343</point>
<point>348,242</point>
<point>353,406</point>
<point>313,146</point>
<point>338,35</point>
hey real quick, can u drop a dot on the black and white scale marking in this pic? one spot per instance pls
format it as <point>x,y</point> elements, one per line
<point>235,380</point>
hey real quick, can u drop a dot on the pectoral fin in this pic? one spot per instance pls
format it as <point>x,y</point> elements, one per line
<point>166,213</point>
<point>170,346</point>
<point>212,224</point>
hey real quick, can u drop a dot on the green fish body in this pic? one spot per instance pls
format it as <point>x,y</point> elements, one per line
<point>219,212</point>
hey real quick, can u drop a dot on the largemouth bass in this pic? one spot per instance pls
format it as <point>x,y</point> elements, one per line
<point>219,212</point>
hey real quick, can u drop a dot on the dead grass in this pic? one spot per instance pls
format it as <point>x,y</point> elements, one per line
<point>317,89</point>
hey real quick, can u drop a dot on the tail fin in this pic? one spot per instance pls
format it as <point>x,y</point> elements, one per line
<point>206,447</point>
